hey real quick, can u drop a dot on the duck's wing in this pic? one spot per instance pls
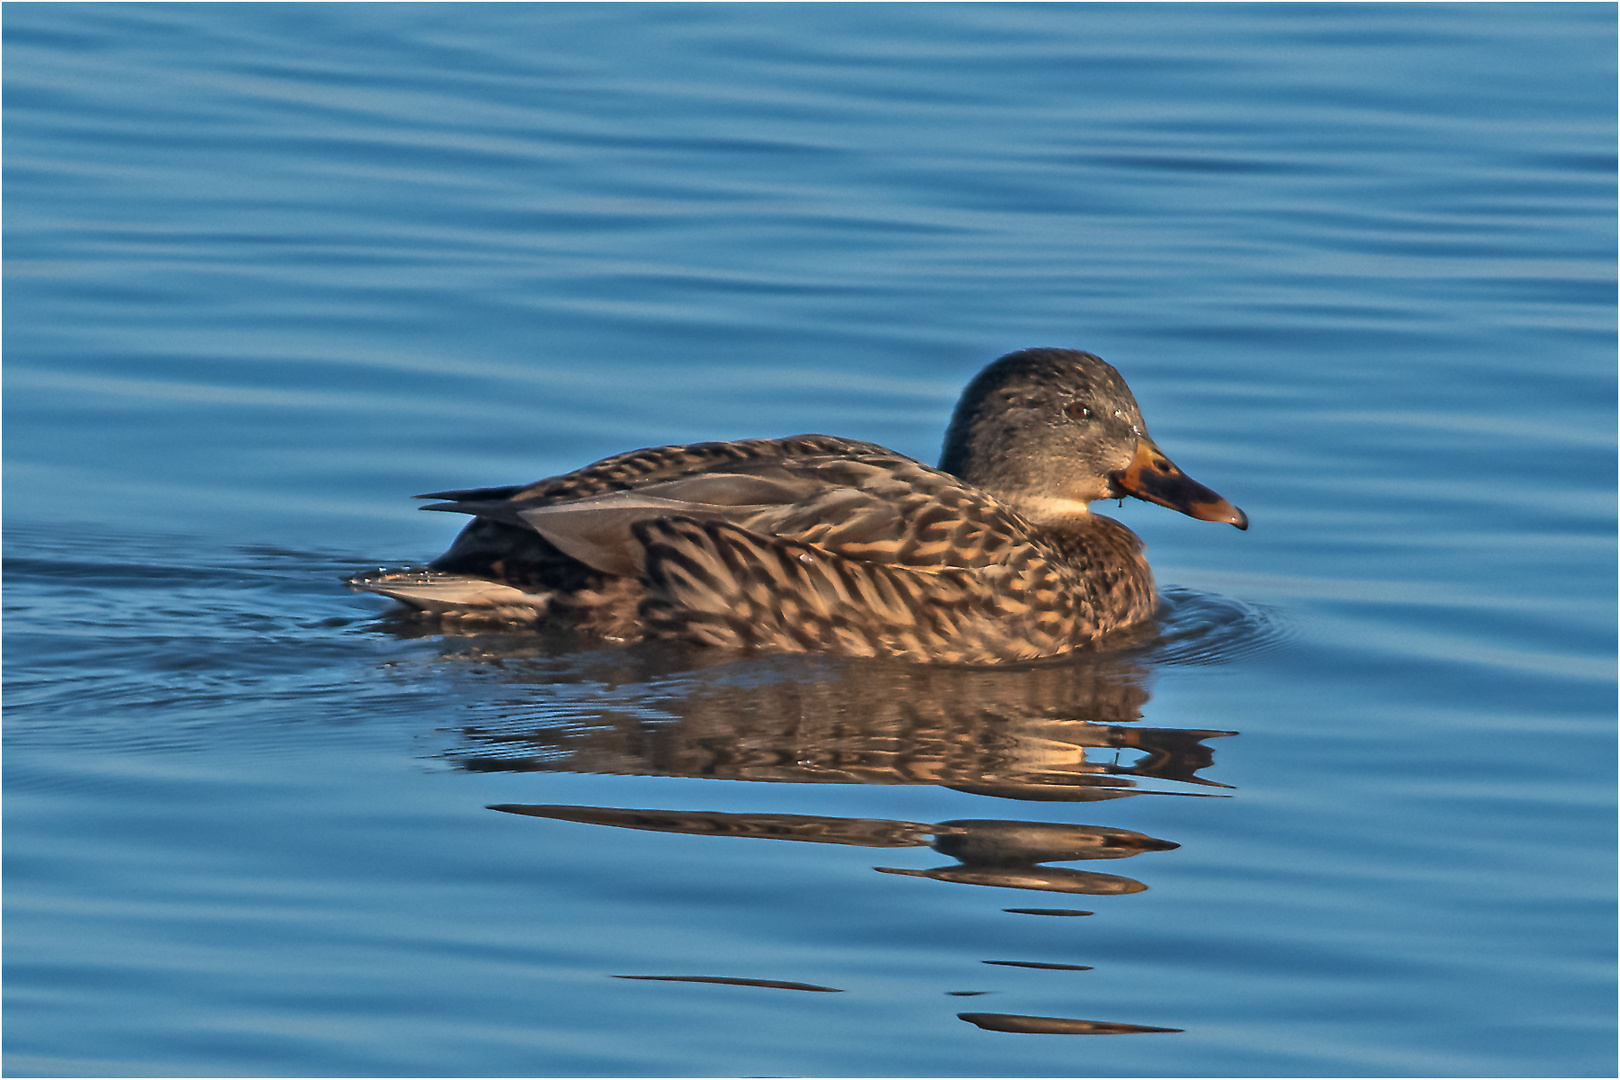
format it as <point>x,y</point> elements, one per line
<point>857,500</point>
<point>887,509</point>
<point>637,468</point>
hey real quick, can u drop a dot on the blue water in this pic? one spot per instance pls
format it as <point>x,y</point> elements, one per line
<point>270,270</point>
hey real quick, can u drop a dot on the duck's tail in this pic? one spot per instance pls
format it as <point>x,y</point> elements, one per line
<point>445,593</point>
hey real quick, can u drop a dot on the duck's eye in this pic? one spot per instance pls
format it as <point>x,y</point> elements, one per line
<point>1077,410</point>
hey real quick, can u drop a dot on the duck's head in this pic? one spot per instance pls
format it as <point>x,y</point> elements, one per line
<point>1048,431</point>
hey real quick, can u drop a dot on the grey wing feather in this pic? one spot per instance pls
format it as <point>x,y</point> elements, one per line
<point>636,468</point>
<point>859,500</point>
<point>598,530</point>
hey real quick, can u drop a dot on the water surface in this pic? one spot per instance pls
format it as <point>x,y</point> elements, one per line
<point>273,269</point>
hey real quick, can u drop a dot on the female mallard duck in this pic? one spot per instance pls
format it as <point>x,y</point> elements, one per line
<point>820,544</point>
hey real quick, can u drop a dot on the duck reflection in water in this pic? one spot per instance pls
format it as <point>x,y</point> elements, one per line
<point>1063,733</point>
<point>1066,732</point>
<point>1008,854</point>
<point>1069,732</point>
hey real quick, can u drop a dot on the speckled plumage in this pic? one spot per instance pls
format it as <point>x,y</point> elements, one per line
<point>820,544</point>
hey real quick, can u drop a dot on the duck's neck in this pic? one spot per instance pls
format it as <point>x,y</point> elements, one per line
<point>1049,511</point>
<point>1090,531</point>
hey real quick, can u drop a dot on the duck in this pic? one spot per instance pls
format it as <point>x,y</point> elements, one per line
<point>821,544</point>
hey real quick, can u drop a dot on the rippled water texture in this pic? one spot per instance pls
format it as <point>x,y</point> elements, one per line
<point>1348,809</point>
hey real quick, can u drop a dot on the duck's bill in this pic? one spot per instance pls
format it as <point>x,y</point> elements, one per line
<point>1155,478</point>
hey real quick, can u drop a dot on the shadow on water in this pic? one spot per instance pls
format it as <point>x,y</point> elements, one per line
<point>1068,732</point>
